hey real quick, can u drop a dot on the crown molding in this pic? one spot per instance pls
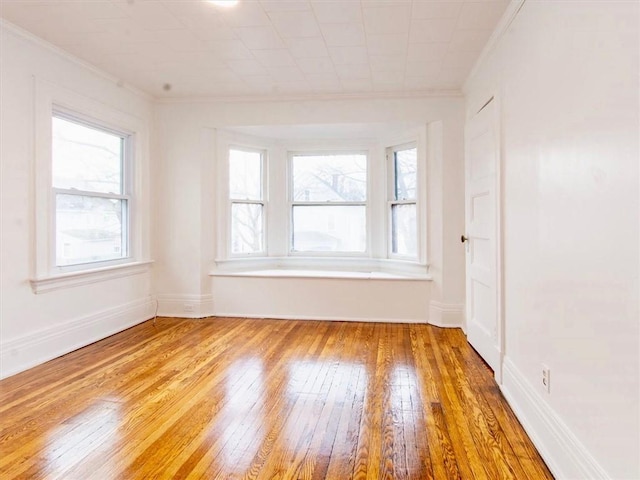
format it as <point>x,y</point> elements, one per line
<point>311,97</point>
<point>505,22</point>
<point>26,35</point>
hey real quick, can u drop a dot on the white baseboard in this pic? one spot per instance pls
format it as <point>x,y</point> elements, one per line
<point>446,315</point>
<point>564,454</point>
<point>44,345</point>
<point>319,317</point>
<point>185,306</point>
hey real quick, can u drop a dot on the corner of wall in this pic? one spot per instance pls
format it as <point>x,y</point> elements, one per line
<point>446,315</point>
<point>185,306</point>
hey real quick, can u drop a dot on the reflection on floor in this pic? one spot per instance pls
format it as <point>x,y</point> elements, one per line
<point>237,398</point>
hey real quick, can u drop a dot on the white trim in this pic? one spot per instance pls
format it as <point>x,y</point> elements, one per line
<point>446,315</point>
<point>333,264</point>
<point>313,97</point>
<point>85,277</point>
<point>318,318</point>
<point>501,28</point>
<point>41,346</point>
<point>564,454</point>
<point>20,32</point>
<point>338,275</point>
<point>185,306</point>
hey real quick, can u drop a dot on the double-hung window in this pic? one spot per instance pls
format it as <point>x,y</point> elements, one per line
<point>91,180</point>
<point>247,205</point>
<point>328,203</point>
<point>403,207</point>
<point>300,204</point>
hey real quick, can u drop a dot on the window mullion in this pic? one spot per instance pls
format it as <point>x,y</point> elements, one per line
<point>90,193</point>
<point>252,202</point>
<point>329,204</point>
<point>402,202</point>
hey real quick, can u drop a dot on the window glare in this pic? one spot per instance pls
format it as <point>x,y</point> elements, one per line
<point>245,175</point>
<point>85,158</point>
<point>405,167</point>
<point>334,228</point>
<point>246,228</point>
<point>89,229</point>
<point>404,230</point>
<point>330,178</point>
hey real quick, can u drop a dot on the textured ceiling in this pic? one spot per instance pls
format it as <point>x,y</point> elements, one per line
<point>266,48</point>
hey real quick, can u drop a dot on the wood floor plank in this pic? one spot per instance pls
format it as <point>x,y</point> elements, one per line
<point>472,463</point>
<point>264,399</point>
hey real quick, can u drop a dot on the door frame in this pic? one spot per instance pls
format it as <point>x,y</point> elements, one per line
<point>485,99</point>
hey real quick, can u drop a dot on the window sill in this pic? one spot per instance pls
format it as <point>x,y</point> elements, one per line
<point>85,277</point>
<point>314,267</point>
<point>323,274</point>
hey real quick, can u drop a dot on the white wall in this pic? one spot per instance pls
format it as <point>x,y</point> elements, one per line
<point>185,229</point>
<point>323,299</point>
<point>37,327</point>
<point>566,77</point>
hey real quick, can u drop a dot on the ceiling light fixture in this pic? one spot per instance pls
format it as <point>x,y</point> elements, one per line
<point>224,3</point>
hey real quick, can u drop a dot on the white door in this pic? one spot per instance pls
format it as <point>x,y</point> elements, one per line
<point>481,205</point>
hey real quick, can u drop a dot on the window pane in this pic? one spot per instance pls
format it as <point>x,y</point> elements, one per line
<point>245,175</point>
<point>246,228</point>
<point>404,235</point>
<point>89,229</point>
<point>330,178</point>
<point>405,166</point>
<point>329,228</point>
<point>86,158</point>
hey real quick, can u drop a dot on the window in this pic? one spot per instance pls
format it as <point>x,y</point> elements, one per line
<point>320,204</point>
<point>329,203</point>
<point>91,186</point>
<point>403,202</point>
<point>246,194</point>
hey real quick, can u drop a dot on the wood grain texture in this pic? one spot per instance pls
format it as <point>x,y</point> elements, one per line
<point>264,399</point>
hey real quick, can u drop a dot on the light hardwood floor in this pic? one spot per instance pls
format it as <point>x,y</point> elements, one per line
<point>236,398</point>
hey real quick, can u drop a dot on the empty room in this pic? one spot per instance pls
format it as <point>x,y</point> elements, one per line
<point>320,239</point>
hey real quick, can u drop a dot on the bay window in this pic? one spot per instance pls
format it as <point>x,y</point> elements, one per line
<point>344,205</point>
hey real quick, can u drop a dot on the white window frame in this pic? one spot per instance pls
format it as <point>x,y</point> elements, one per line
<point>264,170</point>
<point>126,184</point>
<point>277,169</point>
<point>46,276</point>
<point>392,201</point>
<point>292,203</point>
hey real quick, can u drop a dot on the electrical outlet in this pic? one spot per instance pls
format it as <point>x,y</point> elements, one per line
<point>188,307</point>
<point>546,378</point>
